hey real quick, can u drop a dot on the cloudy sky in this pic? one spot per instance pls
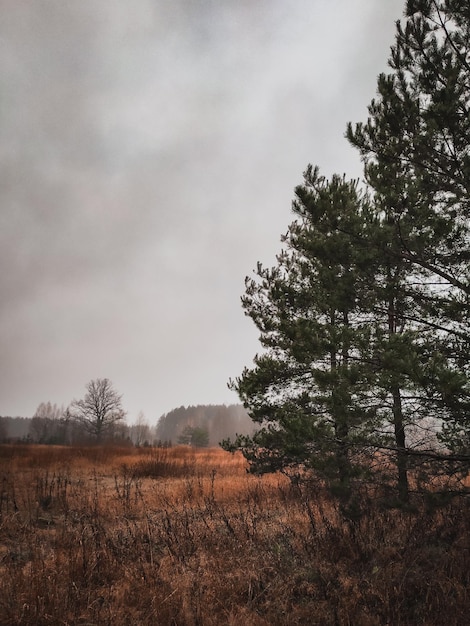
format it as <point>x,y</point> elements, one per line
<point>148,156</point>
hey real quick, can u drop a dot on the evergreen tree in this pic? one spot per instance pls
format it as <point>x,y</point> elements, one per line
<point>415,146</point>
<point>185,437</point>
<point>310,388</point>
<point>364,320</point>
<point>199,437</point>
<point>196,436</point>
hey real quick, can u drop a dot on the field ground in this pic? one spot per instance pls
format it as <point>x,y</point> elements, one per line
<point>183,537</point>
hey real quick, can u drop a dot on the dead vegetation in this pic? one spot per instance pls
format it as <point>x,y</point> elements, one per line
<point>184,537</point>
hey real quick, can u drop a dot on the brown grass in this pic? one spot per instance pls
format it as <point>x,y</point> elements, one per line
<point>186,537</point>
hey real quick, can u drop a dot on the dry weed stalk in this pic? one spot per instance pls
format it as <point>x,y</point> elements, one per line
<point>102,537</point>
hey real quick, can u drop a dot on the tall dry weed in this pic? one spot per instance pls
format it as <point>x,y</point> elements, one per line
<point>102,537</point>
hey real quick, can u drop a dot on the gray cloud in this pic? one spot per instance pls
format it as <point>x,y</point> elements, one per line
<point>148,154</point>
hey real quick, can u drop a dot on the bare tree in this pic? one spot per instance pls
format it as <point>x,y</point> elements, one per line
<point>45,424</point>
<point>140,431</point>
<point>100,410</point>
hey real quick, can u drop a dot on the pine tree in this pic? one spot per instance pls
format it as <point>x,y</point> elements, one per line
<point>309,389</point>
<point>415,146</point>
<point>364,320</point>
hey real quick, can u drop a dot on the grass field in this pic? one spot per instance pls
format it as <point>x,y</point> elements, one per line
<point>186,537</point>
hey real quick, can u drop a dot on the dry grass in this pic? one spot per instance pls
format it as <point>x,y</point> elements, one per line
<point>183,537</point>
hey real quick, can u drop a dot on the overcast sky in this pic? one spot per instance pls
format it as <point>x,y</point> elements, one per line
<point>148,155</point>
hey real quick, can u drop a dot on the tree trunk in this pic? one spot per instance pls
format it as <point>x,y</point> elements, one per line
<point>340,417</point>
<point>398,422</point>
<point>402,459</point>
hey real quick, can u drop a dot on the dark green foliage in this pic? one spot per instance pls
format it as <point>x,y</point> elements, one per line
<point>309,388</point>
<point>415,146</point>
<point>364,320</point>
<point>195,436</point>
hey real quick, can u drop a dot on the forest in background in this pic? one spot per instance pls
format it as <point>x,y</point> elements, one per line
<point>200,426</point>
<point>218,421</point>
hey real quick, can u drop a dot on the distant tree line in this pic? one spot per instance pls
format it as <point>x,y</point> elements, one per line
<point>99,418</point>
<point>204,425</point>
<point>14,428</point>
